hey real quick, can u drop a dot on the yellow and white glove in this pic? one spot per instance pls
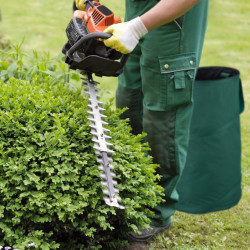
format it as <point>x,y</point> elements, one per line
<point>80,5</point>
<point>125,36</point>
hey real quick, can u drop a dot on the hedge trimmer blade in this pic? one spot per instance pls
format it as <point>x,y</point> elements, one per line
<point>101,146</point>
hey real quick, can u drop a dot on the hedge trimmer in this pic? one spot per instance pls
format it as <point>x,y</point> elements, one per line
<point>86,52</point>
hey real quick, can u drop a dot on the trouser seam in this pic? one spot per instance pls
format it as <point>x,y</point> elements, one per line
<point>173,146</point>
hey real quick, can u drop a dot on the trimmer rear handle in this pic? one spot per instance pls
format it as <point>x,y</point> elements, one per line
<point>84,39</point>
<point>88,2</point>
<point>95,35</point>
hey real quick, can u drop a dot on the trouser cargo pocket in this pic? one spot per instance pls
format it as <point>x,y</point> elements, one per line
<point>177,79</point>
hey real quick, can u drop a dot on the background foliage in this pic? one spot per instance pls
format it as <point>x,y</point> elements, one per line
<point>42,23</point>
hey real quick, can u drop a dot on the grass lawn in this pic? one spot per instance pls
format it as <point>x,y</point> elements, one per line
<point>41,24</point>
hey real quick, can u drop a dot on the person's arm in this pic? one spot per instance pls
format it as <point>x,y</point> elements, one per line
<point>166,11</point>
<point>126,35</point>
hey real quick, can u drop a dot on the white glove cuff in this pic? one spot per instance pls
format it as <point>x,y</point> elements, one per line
<point>137,27</point>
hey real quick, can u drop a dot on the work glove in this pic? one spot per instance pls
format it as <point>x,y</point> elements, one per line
<point>125,36</point>
<point>80,5</point>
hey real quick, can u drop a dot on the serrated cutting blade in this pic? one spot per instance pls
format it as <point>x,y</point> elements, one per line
<point>101,146</point>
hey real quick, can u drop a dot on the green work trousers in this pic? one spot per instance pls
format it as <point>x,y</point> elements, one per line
<point>157,87</point>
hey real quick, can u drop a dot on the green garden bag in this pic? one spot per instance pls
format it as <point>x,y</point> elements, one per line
<point>211,180</point>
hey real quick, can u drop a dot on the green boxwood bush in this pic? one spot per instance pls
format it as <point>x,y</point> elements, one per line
<point>50,191</point>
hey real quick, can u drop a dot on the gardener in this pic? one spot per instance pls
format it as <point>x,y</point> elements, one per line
<point>165,39</point>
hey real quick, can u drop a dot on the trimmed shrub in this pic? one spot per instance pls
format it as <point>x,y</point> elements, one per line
<point>50,191</point>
